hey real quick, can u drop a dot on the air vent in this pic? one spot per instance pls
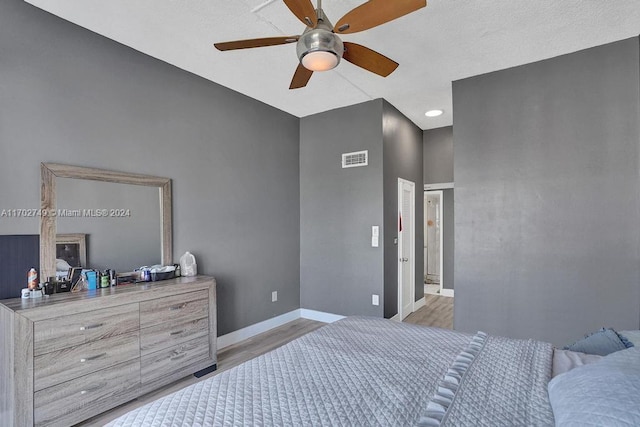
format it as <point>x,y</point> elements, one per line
<point>355,159</point>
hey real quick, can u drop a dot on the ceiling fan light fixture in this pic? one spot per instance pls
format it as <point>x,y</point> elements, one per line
<point>319,50</point>
<point>320,60</point>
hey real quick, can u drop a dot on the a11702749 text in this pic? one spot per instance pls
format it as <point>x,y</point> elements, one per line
<point>66,213</point>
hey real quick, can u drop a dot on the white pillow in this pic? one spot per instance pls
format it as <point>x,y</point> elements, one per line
<point>566,360</point>
<point>605,393</point>
<point>632,336</point>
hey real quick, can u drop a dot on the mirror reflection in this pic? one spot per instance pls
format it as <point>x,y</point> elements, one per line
<point>121,222</point>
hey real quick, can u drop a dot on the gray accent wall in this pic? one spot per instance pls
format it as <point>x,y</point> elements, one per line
<point>547,196</point>
<point>438,168</point>
<point>402,141</point>
<point>68,95</point>
<point>438,155</point>
<point>339,270</point>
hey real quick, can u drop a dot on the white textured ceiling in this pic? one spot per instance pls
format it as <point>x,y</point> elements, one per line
<point>446,41</point>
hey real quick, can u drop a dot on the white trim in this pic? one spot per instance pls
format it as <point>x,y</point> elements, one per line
<point>266,325</point>
<point>396,317</point>
<point>320,316</point>
<point>412,245</point>
<point>447,293</point>
<point>419,304</point>
<point>257,328</point>
<point>440,186</point>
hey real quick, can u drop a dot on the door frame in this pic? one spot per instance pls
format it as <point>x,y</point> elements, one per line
<point>441,216</point>
<point>442,186</point>
<point>412,247</point>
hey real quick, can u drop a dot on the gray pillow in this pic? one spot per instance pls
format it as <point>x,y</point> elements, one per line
<point>603,342</point>
<point>605,393</point>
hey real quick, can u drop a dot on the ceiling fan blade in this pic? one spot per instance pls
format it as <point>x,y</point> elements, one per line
<point>368,59</point>
<point>249,43</point>
<point>374,13</point>
<point>304,11</point>
<point>300,77</point>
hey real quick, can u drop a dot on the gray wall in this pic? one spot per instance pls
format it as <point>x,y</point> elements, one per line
<point>339,270</point>
<point>438,155</point>
<point>547,208</point>
<point>70,96</point>
<point>402,159</point>
<point>438,168</point>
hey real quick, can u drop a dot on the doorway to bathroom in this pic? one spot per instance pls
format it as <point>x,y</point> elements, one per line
<point>433,242</point>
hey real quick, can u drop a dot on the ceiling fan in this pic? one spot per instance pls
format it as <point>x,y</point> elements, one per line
<point>319,48</point>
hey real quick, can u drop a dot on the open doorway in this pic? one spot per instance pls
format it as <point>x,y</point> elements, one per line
<point>438,258</point>
<point>433,244</point>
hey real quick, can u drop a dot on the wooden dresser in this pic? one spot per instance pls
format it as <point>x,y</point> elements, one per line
<point>68,357</point>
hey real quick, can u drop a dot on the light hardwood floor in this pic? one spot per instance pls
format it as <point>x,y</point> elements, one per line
<point>438,312</point>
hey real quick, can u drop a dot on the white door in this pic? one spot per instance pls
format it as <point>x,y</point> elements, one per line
<point>406,247</point>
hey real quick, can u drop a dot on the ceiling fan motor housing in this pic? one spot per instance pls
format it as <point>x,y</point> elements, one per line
<point>319,40</point>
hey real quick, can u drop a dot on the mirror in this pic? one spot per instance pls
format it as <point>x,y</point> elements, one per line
<point>126,217</point>
<point>96,209</point>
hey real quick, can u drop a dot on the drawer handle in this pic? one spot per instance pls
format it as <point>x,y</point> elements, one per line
<point>178,307</point>
<point>94,326</point>
<point>179,356</point>
<point>87,359</point>
<point>89,390</point>
<point>177,332</point>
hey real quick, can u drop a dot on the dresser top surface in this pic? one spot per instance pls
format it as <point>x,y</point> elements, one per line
<point>104,297</point>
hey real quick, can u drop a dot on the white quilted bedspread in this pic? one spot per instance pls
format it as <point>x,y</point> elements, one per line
<point>356,372</point>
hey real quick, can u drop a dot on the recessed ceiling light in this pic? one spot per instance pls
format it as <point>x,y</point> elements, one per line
<point>433,113</point>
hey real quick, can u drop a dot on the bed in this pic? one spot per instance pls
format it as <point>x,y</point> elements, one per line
<point>370,371</point>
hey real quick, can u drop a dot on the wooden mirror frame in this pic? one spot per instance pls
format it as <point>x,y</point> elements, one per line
<point>49,172</point>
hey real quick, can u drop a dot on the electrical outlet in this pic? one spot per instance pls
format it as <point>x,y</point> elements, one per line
<point>375,299</point>
<point>274,296</point>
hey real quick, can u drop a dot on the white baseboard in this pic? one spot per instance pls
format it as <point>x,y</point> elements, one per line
<point>257,328</point>
<point>320,316</point>
<point>416,305</point>
<point>447,293</point>
<point>266,325</point>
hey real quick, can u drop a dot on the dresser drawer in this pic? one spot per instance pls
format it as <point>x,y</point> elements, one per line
<point>64,365</point>
<point>84,397</point>
<point>165,362</point>
<point>75,329</point>
<point>171,334</point>
<point>189,306</point>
